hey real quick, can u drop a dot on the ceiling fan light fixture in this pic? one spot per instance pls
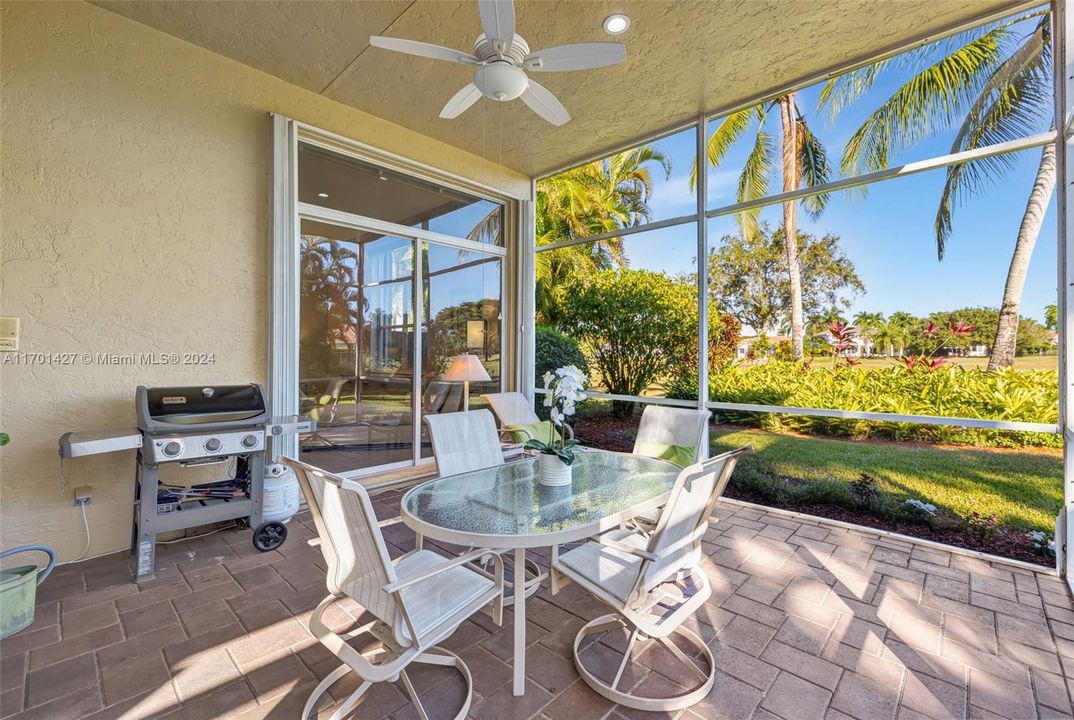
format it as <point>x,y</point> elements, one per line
<point>616,24</point>
<point>501,81</point>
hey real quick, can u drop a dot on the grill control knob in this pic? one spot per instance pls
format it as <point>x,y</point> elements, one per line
<point>213,445</point>
<point>249,441</point>
<point>173,448</point>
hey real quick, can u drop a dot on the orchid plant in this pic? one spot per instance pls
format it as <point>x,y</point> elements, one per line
<point>563,388</point>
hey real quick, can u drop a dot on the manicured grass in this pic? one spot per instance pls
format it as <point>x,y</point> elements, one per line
<point>1023,488</point>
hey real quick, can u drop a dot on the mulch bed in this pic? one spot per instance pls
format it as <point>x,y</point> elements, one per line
<point>617,434</point>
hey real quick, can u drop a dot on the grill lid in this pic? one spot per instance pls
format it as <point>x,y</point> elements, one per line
<point>218,405</point>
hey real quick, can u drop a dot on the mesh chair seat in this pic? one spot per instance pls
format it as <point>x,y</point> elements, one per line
<point>438,598</point>
<point>614,571</point>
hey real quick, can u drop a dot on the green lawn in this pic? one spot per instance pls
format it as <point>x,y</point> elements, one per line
<point>1023,488</point>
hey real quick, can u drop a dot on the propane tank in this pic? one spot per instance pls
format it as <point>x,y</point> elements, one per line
<point>280,500</point>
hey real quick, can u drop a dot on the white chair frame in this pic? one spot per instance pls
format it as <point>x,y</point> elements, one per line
<point>664,574</point>
<point>359,567</point>
<point>466,441</point>
<point>512,408</point>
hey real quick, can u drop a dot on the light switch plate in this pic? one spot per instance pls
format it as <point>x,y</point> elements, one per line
<point>9,334</point>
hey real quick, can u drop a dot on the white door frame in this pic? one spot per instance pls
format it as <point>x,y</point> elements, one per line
<point>286,213</point>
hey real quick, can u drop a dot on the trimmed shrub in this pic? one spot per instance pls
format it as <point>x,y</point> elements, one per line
<point>952,391</point>
<point>554,350</point>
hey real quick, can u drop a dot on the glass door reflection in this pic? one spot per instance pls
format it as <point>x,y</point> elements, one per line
<point>461,311</point>
<point>356,348</point>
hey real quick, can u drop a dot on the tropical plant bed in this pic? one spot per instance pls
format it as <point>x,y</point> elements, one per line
<point>1012,492</point>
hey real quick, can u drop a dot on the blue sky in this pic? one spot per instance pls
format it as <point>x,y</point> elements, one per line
<point>888,234</point>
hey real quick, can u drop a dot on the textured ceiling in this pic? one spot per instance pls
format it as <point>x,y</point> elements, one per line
<point>684,57</point>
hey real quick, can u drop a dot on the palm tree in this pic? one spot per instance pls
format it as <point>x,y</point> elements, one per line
<point>903,325</point>
<point>802,159</point>
<point>329,303</point>
<point>592,199</point>
<point>993,84</point>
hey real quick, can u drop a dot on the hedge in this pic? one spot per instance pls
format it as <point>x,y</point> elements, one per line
<point>952,391</point>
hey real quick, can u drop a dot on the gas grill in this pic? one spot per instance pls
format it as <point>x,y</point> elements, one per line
<point>192,427</point>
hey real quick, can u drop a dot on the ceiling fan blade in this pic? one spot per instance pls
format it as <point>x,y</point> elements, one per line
<point>498,22</point>
<point>578,56</point>
<point>545,104</point>
<point>425,50</point>
<point>460,102</point>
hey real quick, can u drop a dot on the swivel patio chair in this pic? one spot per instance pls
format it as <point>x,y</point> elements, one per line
<point>674,434</point>
<point>518,421</point>
<point>416,601</point>
<point>652,583</point>
<point>465,441</point>
<point>677,435</point>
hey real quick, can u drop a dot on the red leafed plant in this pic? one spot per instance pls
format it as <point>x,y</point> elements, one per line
<point>843,345</point>
<point>929,361</point>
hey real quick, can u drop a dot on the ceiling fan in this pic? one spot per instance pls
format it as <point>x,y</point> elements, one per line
<point>502,59</point>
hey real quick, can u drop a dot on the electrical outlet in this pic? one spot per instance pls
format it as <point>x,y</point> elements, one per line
<point>83,495</point>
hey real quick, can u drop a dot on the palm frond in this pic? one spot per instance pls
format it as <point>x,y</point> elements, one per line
<point>1014,102</point>
<point>723,137</point>
<point>754,181</point>
<point>929,101</point>
<point>813,167</point>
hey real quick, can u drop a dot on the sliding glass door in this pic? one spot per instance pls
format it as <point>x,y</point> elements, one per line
<point>461,315</point>
<point>385,304</point>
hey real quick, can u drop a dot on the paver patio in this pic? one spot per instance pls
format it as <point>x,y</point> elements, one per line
<point>807,620</point>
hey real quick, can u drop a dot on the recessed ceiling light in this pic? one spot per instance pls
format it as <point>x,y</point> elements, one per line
<point>322,195</point>
<point>616,24</point>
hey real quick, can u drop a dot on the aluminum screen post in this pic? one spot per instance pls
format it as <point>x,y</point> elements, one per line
<point>702,174</point>
<point>1063,73</point>
<point>527,296</point>
<point>283,282</point>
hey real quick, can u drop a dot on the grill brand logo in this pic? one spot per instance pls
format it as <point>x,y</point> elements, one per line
<point>173,400</point>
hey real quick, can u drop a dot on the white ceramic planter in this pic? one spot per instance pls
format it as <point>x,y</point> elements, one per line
<point>553,471</point>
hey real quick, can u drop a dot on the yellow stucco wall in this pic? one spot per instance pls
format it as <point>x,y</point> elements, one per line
<point>134,219</point>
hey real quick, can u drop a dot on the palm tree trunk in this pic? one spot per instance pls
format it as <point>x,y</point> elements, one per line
<point>788,121</point>
<point>1007,331</point>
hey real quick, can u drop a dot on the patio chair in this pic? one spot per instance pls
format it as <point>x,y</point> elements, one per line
<point>673,434</point>
<point>416,601</point>
<point>652,582</point>
<point>465,441</point>
<point>518,421</point>
<point>677,435</point>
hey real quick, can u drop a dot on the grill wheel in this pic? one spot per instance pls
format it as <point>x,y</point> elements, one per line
<point>269,536</point>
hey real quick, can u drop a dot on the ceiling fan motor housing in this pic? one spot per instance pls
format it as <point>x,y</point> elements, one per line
<point>500,80</point>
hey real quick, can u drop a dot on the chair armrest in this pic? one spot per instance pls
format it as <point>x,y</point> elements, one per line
<point>623,547</point>
<point>390,521</point>
<point>448,563</point>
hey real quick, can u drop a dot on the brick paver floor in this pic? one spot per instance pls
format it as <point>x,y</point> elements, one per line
<point>806,620</point>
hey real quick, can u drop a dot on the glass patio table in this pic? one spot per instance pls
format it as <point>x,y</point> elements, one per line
<point>505,507</point>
